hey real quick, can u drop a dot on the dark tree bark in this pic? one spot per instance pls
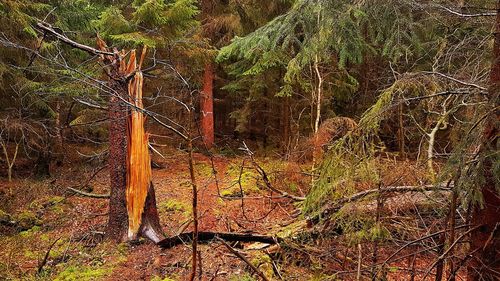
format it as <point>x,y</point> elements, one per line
<point>485,240</point>
<point>118,217</point>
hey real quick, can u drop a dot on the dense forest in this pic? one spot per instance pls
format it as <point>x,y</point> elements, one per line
<point>249,140</point>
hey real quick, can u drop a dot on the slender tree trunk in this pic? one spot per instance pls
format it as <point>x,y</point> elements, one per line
<point>453,210</point>
<point>286,124</point>
<point>58,126</point>
<point>318,95</point>
<point>207,106</point>
<point>485,264</point>
<point>401,132</point>
<point>430,149</point>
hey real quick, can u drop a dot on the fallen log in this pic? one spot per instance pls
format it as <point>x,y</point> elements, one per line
<point>331,208</point>
<point>207,236</point>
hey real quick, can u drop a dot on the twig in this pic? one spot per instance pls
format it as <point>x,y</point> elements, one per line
<point>455,79</point>
<point>46,257</point>
<point>87,194</point>
<point>243,258</point>
<point>441,257</point>
<point>360,255</point>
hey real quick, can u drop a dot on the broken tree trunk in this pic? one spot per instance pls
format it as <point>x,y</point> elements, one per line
<point>132,205</point>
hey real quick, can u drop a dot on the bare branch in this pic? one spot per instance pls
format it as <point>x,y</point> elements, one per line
<point>455,80</point>
<point>48,28</point>
<point>467,15</point>
<point>87,194</point>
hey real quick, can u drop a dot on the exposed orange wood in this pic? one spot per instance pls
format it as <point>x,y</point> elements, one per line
<point>138,158</point>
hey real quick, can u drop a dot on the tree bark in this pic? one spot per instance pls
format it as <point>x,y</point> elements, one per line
<point>117,162</point>
<point>207,106</point>
<point>485,240</point>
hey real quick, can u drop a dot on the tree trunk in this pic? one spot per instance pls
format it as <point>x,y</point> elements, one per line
<point>207,106</point>
<point>132,204</point>
<point>401,132</point>
<point>286,124</point>
<point>117,162</point>
<point>485,264</point>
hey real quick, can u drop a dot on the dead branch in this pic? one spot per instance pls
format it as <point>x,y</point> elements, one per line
<point>243,258</point>
<point>48,28</point>
<point>87,194</point>
<point>442,256</point>
<point>467,15</point>
<point>46,257</point>
<point>207,236</point>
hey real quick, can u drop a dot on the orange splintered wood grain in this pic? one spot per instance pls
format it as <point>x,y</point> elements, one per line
<point>138,159</point>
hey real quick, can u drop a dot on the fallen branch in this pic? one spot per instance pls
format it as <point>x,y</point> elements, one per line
<point>87,194</point>
<point>243,258</point>
<point>207,236</point>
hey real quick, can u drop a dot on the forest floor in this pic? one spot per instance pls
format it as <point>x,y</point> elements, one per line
<point>72,226</point>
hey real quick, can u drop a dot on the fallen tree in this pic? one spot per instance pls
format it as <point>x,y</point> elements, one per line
<point>334,207</point>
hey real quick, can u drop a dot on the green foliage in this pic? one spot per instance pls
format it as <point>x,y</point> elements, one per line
<point>152,23</point>
<point>111,21</point>
<point>315,30</point>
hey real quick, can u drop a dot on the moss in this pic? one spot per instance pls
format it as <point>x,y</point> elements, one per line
<point>27,220</point>
<point>264,263</point>
<point>175,206</point>
<point>82,273</point>
<point>292,230</point>
<point>122,249</point>
<point>245,277</point>
<point>47,202</point>
<point>248,183</point>
<point>172,205</point>
<point>203,170</point>
<point>158,278</point>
